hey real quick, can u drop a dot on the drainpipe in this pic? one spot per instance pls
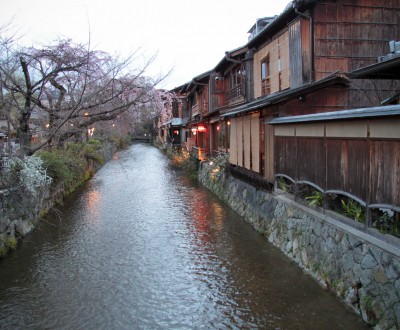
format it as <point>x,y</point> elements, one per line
<point>296,6</point>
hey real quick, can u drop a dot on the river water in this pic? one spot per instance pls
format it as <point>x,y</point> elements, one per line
<point>142,247</point>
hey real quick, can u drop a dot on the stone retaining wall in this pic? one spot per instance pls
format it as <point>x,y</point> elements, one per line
<point>17,222</point>
<point>362,270</point>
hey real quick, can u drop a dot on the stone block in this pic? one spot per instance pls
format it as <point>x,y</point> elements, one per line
<point>380,275</point>
<point>391,273</point>
<point>358,255</point>
<point>304,258</point>
<point>368,262</point>
<point>366,277</point>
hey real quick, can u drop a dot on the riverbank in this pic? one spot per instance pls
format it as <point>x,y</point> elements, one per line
<point>362,271</point>
<point>22,208</point>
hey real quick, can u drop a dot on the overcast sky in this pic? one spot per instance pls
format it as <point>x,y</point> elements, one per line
<point>190,37</point>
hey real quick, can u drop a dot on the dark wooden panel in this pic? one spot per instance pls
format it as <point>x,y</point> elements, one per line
<point>385,172</point>
<point>285,156</point>
<point>347,166</point>
<point>311,160</point>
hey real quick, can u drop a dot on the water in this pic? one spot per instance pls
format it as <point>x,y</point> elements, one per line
<point>143,247</point>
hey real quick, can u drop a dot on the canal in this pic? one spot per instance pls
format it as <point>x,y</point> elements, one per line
<point>143,247</point>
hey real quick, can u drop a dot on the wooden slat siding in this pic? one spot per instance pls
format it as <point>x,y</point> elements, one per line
<point>363,92</point>
<point>358,158</point>
<point>247,141</point>
<point>329,99</point>
<point>217,92</point>
<point>306,50</point>
<point>351,34</point>
<point>233,150</point>
<point>295,55</point>
<point>277,48</point>
<point>310,160</point>
<point>269,151</point>
<point>334,164</point>
<point>255,142</point>
<point>285,155</point>
<point>385,172</point>
<point>239,134</point>
<point>361,161</point>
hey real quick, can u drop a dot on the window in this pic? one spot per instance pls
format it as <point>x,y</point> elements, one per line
<point>236,77</point>
<point>265,76</point>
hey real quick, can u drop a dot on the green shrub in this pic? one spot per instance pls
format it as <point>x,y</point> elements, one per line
<point>317,198</point>
<point>353,210</point>
<point>56,162</point>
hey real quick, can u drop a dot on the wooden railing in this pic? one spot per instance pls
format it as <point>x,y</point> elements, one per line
<point>234,93</point>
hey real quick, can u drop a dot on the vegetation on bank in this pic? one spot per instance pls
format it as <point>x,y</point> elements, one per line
<point>181,158</point>
<point>33,184</point>
<point>383,219</point>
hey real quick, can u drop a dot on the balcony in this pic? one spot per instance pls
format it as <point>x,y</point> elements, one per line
<point>234,93</point>
<point>195,110</point>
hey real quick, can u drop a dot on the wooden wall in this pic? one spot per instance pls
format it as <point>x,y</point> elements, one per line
<point>332,98</point>
<point>245,142</point>
<point>361,157</point>
<point>350,34</point>
<point>278,52</point>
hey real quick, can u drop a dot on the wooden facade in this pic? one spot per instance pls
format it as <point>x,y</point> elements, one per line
<point>301,64</point>
<point>357,156</point>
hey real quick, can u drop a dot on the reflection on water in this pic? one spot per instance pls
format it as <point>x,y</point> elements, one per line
<point>142,247</point>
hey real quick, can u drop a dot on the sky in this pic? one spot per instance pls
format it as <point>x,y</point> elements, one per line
<point>187,37</point>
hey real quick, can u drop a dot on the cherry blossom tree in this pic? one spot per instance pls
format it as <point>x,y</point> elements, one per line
<point>72,87</point>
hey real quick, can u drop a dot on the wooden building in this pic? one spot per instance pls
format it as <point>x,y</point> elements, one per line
<point>300,65</point>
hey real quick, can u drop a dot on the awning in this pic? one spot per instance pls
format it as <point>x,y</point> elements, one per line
<point>389,110</point>
<point>173,122</point>
<point>389,69</point>
<point>214,120</point>
<point>275,98</point>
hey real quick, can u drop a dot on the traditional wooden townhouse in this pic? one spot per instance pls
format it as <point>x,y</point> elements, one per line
<point>300,62</point>
<point>174,130</point>
<point>227,90</point>
<point>197,95</point>
<point>227,86</point>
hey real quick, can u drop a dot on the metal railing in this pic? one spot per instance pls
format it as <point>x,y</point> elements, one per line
<point>368,208</point>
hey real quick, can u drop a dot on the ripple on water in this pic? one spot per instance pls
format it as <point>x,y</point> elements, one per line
<point>140,247</point>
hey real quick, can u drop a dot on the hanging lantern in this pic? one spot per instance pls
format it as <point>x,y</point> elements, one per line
<point>201,128</point>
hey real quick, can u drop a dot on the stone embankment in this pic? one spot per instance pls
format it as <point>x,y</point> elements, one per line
<point>363,271</point>
<point>20,214</point>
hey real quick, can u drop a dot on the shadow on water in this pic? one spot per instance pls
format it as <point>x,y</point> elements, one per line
<point>142,246</point>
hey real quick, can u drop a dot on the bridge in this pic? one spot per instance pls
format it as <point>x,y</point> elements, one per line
<point>141,138</point>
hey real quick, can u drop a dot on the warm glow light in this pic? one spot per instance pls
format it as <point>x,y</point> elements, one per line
<point>90,131</point>
<point>218,128</point>
<point>201,128</point>
<point>228,122</point>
